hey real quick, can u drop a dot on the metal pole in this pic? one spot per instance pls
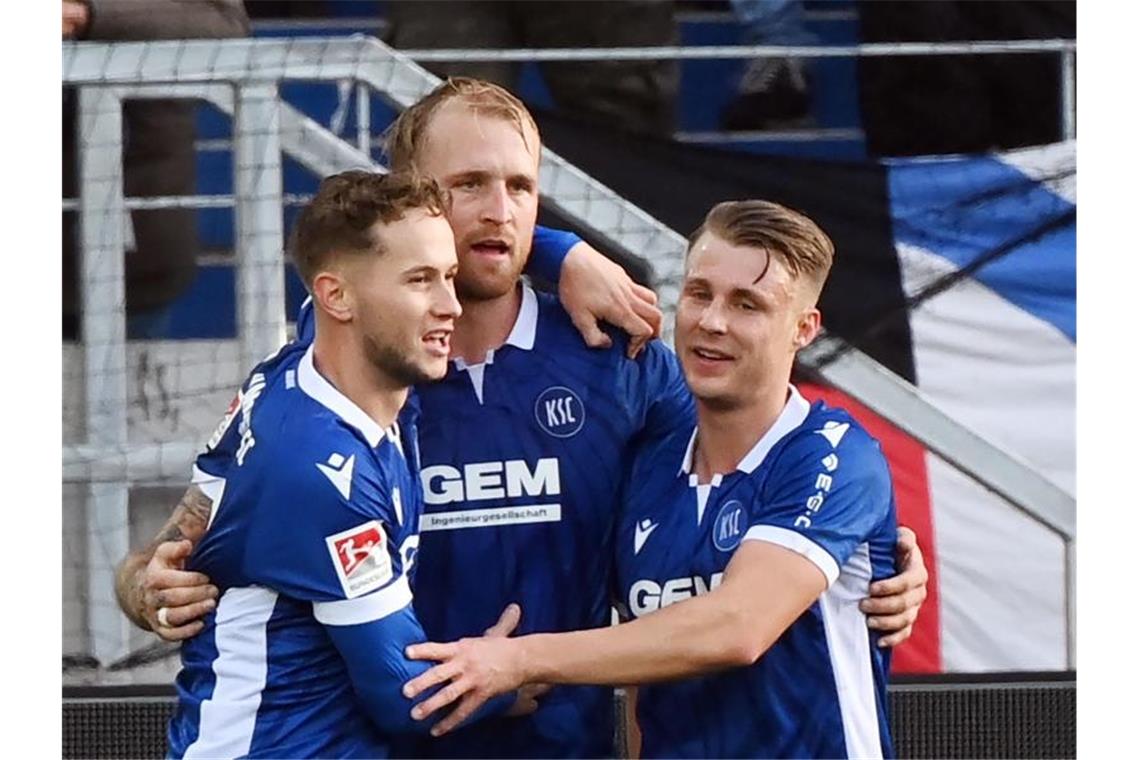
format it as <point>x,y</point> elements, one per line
<point>1071,603</point>
<point>1068,95</point>
<point>260,235</point>
<point>103,322</point>
<point>363,120</point>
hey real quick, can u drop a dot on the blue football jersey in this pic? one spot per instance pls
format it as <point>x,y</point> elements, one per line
<point>310,544</point>
<point>817,484</point>
<point>523,457</point>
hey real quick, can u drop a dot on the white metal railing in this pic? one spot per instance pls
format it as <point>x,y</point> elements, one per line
<point>240,78</point>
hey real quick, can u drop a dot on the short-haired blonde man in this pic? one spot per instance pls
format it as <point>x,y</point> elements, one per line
<point>744,545</point>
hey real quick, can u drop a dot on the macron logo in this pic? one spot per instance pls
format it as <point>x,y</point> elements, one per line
<point>641,532</point>
<point>834,432</point>
<point>339,472</point>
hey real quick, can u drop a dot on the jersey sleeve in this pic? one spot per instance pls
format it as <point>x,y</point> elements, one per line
<point>548,251</point>
<point>324,532</point>
<point>213,463</point>
<point>822,500</point>
<point>658,391</point>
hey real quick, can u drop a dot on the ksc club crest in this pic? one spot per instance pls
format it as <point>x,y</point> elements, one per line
<point>559,411</point>
<point>729,526</point>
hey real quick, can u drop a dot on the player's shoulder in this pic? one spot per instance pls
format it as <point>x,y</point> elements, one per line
<point>664,454</point>
<point>830,434</point>
<point>306,433</point>
<point>557,333</point>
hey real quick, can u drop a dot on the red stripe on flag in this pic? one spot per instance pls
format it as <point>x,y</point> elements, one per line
<point>906,457</point>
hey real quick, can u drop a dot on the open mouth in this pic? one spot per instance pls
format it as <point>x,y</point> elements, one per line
<point>438,341</point>
<point>491,246</point>
<point>711,355</point>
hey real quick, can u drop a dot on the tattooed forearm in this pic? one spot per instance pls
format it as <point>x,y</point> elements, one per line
<point>187,523</point>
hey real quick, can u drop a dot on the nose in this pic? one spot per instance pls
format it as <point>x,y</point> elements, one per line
<point>713,318</point>
<point>497,204</point>
<point>446,304</point>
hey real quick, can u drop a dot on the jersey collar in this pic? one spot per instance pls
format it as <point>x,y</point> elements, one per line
<point>521,335</point>
<point>526,324</point>
<point>794,413</point>
<point>324,393</point>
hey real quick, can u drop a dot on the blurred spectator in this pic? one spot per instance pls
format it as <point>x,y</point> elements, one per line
<point>636,95</point>
<point>926,105</point>
<point>772,91</point>
<point>158,156</point>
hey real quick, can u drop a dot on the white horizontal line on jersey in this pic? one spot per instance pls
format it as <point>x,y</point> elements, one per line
<point>800,544</point>
<point>489,518</point>
<point>364,609</point>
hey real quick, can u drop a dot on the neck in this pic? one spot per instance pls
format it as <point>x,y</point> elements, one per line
<point>726,435</point>
<point>484,326</point>
<point>343,364</point>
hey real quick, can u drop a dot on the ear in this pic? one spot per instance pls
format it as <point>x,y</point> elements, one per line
<point>332,296</point>
<point>807,327</point>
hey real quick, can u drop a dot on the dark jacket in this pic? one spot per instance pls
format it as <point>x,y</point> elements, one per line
<point>158,152</point>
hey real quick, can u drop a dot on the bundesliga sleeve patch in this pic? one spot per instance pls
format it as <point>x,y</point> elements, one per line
<point>360,557</point>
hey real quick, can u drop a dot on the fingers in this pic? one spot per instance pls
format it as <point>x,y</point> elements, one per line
<point>442,698</point>
<point>893,604</point>
<point>647,310</point>
<point>185,614</point>
<point>648,295</point>
<point>636,346</point>
<point>893,623</point>
<point>432,651</point>
<point>424,681</point>
<point>524,705</point>
<point>472,702</point>
<point>895,639</point>
<point>507,623</point>
<point>173,552</point>
<point>180,596</point>
<point>892,586</point>
<point>187,596</point>
<point>913,576</point>
<point>591,333</point>
<point>180,633</point>
<point>536,690</point>
<point>907,540</point>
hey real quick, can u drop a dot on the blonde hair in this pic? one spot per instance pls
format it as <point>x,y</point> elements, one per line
<point>404,139</point>
<point>804,248</point>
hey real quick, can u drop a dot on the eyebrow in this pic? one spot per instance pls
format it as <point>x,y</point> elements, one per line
<point>485,174</point>
<point>737,292</point>
<point>420,269</point>
<point>468,174</point>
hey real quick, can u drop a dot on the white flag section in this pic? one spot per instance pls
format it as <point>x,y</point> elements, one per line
<point>995,350</point>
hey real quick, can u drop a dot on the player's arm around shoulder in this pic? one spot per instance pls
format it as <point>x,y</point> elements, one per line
<point>151,585</point>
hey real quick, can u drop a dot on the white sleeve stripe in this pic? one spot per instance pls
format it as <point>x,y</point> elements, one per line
<point>800,544</point>
<point>364,609</point>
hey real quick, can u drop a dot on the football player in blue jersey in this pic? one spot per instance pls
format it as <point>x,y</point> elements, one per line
<point>524,442</point>
<point>313,532</point>
<point>745,544</point>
